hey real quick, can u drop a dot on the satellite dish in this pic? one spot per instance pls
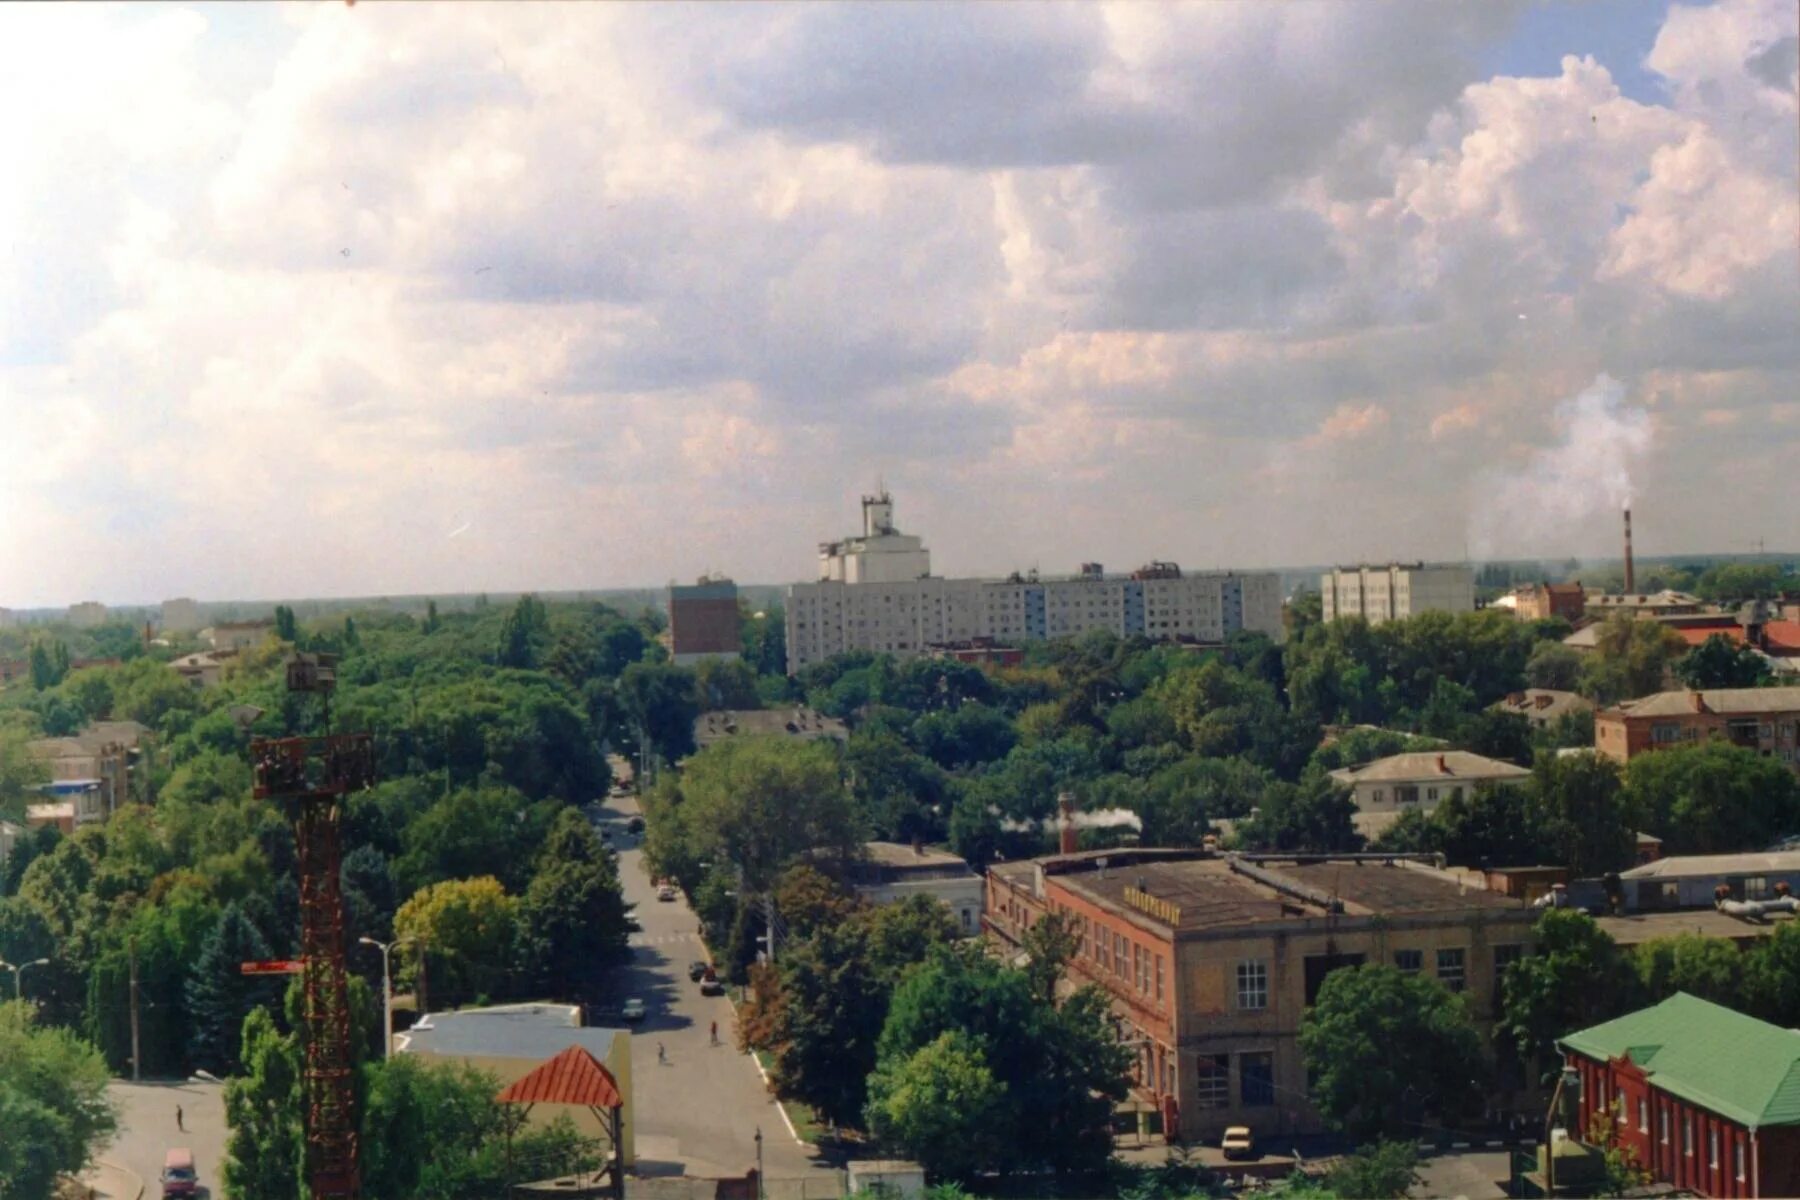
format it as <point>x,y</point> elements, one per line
<point>245,715</point>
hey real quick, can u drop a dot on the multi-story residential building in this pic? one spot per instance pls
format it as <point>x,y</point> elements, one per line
<point>890,872</point>
<point>1388,593</point>
<point>181,615</point>
<point>704,621</point>
<point>91,769</point>
<point>1702,1096</point>
<point>1766,720</point>
<point>87,614</point>
<point>1211,959</point>
<point>876,593</point>
<point>1388,787</point>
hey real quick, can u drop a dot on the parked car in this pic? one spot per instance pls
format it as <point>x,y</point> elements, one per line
<point>696,969</point>
<point>179,1178</point>
<point>633,1010</point>
<point>1239,1142</point>
<point>665,892</point>
<point>635,825</point>
<point>712,985</point>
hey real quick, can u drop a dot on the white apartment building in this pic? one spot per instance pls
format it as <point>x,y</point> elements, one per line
<point>877,593</point>
<point>87,614</point>
<point>181,615</point>
<point>1377,593</point>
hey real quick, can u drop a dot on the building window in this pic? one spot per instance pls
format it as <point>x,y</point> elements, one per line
<point>1687,1134</point>
<point>1253,984</point>
<point>1712,1149</point>
<point>1452,971</point>
<point>1643,1115</point>
<point>1431,795</point>
<point>1212,1081</point>
<point>1737,1158</point>
<point>1256,1079</point>
<point>1376,795</point>
<point>1159,979</point>
<point>1663,1121</point>
<point>1756,887</point>
<point>1409,960</point>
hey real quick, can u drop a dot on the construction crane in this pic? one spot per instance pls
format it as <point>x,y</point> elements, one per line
<point>309,777</point>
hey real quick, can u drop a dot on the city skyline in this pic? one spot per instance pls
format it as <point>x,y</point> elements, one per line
<point>333,301</point>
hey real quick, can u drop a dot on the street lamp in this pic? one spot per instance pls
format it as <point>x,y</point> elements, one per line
<point>19,974</point>
<point>387,992</point>
<point>759,1164</point>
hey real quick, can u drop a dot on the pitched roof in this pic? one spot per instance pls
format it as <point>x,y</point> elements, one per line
<point>1743,1069</point>
<point>1725,701</point>
<point>1696,635</point>
<point>1749,862</point>
<point>1431,765</point>
<point>572,1077</point>
<point>1783,637</point>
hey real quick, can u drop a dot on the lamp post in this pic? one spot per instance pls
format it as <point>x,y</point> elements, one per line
<point>759,1164</point>
<point>387,992</point>
<point>19,974</point>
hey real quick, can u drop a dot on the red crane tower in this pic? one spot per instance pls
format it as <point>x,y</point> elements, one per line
<point>309,776</point>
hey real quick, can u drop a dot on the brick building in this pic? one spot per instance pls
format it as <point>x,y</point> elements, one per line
<point>1703,1096</point>
<point>1211,959</point>
<point>1766,720</point>
<point>704,621</point>
<point>1540,601</point>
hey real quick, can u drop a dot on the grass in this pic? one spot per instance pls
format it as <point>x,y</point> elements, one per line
<point>804,1119</point>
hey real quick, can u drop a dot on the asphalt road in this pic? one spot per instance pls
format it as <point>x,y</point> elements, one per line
<point>699,1112</point>
<point>147,1130</point>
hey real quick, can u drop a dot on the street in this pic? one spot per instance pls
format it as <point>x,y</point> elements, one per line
<point>698,1113</point>
<point>147,1130</point>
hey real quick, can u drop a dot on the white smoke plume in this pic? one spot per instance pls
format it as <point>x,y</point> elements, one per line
<point>1107,818</point>
<point>1563,490</point>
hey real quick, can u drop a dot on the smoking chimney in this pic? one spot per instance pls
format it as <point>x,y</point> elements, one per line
<point>1065,823</point>
<point>1630,570</point>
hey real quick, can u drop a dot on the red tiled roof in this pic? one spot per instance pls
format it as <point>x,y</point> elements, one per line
<point>1696,637</point>
<point>1783,636</point>
<point>572,1077</point>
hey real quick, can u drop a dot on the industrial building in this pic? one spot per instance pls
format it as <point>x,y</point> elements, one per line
<point>1702,1096</point>
<point>1395,591</point>
<point>1211,959</point>
<point>876,592</point>
<point>704,621</point>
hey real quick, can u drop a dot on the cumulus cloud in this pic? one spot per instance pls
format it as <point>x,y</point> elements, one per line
<point>286,295</point>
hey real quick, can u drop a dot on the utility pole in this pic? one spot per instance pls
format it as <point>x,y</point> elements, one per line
<point>131,949</point>
<point>769,921</point>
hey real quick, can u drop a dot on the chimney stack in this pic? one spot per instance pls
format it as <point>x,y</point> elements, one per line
<point>1630,570</point>
<point>1065,823</point>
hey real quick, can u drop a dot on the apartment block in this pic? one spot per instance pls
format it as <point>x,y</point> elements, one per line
<point>1397,590</point>
<point>181,615</point>
<point>1211,960</point>
<point>1766,720</point>
<point>704,621</point>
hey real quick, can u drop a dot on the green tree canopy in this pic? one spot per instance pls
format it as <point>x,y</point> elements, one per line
<point>54,1112</point>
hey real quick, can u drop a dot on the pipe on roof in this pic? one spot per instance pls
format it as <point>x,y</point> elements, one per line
<point>1283,884</point>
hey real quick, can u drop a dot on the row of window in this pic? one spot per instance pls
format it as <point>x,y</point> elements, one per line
<point>1451,965</point>
<point>1687,1136</point>
<point>1139,965</point>
<point>1256,1080</point>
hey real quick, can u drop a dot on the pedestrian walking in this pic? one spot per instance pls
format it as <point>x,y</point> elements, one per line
<point>715,1033</point>
<point>662,1056</point>
<point>178,1122</point>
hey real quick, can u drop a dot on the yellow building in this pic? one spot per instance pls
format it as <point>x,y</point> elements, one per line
<point>510,1041</point>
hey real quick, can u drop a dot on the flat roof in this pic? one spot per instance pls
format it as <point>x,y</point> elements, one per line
<point>1684,866</point>
<point>535,1031</point>
<point>900,857</point>
<point>1631,929</point>
<point>1208,894</point>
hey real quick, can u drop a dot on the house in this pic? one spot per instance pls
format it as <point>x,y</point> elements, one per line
<point>204,668</point>
<point>1702,1096</point>
<point>91,768</point>
<point>1542,601</point>
<point>800,723</point>
<point>1419,781</point>
<point>509,1041</point>
<point>1211,960</point>
<point>1542,706</point>
<point>890,872</point>
<point>1766,720</point>
<point>60,813</point>
<point>238,635</point>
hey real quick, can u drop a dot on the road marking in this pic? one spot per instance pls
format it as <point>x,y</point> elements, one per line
<point>661,939</point>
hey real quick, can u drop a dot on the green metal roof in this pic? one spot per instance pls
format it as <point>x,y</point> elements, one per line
<point>1741,1068</point>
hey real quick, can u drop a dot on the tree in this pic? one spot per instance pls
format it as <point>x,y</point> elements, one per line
<point>1629,659</point>
<point>1772,977</point>
<point>1489,823</point>
<point>572,917</point>
<point>265,1149</point>
<point>759,803</point>
<point>1713,798</point>
<point>1312,815</point>
<point>473,831</point>
<point>1710,968</point>
<point>1384,1170</point>
<point>54,1111</point>
<point>833,1003</point>
<point>1383,1047</point>
<point>1719,662</point>
<point>20,776</point>
<point>1062,1069</point>
<point>219,995</point>
<point>522,634</point>
<point>724,684</point>
<point>1577,977</point>
<point>287,627</point>
<point>943,1105</point>
<point>1583,815</point>
<point>469,927</point>
<point>660,703</point>
<point>1553,665</point>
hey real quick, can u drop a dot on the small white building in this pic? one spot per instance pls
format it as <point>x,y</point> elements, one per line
<point>890,872</point>
<point>1397,590</point>
<point>1388,787</point>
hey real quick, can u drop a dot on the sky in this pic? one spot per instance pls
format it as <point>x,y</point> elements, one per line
<point>329,300</point>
